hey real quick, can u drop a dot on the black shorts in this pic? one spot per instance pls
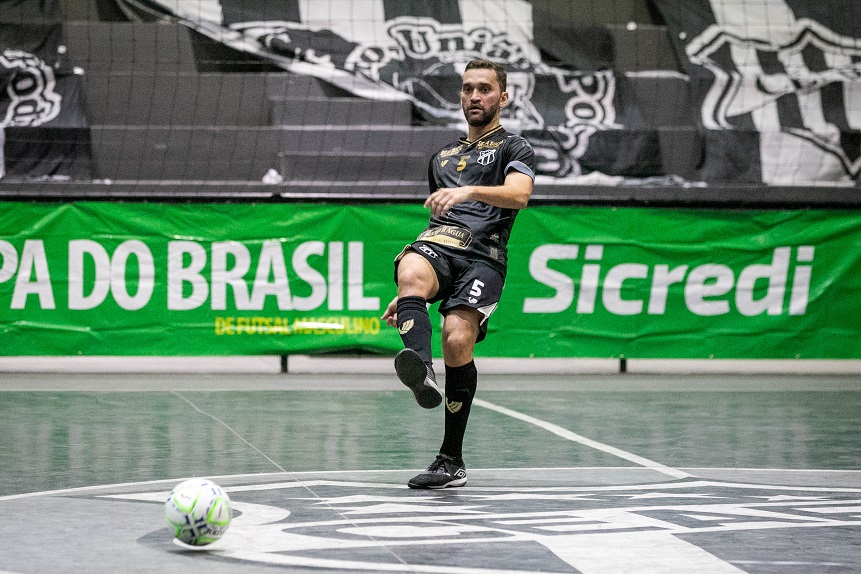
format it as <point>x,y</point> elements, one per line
<point>462,282</point>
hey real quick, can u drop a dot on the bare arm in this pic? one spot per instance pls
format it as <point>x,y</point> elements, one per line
<point>513,194</point>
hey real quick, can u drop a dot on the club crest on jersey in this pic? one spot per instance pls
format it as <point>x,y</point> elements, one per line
<point>486,157</point>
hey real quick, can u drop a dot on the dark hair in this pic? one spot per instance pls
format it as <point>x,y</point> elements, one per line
<point>501,76</point>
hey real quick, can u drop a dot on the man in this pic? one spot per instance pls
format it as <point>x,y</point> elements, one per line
<point>477,185</point>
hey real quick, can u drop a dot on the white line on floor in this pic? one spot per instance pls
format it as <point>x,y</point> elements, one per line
<point>574,437</point>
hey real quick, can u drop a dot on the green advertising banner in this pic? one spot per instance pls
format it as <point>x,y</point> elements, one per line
<point>238,279</point>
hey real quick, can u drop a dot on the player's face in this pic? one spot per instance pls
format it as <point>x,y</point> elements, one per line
<point>481,97</point>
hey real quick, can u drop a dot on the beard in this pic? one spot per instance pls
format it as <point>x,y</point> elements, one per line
<point>482,119</point>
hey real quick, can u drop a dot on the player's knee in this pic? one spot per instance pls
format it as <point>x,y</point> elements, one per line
<point>414,279</point>
<point>411,275</point>
<point>458,339</point>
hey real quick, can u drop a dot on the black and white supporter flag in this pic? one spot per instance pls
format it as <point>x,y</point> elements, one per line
<point>776,84</point>
<point>42,117</point>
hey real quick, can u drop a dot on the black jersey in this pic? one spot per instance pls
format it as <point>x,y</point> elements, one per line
<point>479,229</point>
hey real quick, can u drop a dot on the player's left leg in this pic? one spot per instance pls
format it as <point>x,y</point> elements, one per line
<point>460,332</point>
<point>459,335</point>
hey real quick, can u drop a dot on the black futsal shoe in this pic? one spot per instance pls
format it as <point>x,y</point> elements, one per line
<point>445,472</point>
<point>419,377</point>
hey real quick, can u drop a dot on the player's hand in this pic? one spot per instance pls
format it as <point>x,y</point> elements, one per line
<point>443,199</point>
<point>390,317</point>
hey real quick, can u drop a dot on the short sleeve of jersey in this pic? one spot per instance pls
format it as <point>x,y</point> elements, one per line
<point>521,157</point>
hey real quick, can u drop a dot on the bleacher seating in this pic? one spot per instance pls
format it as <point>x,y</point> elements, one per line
<point>154,116</point>
<point>161,109</point>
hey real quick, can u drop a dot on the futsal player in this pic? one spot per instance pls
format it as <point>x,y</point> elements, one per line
<point>477,185</point>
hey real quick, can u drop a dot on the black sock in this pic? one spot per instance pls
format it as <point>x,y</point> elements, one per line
<point>460,385</point>
<point>414,326</point>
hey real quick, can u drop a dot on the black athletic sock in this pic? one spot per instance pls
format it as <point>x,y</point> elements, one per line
<point>460,385</point>
<point>414,326</point>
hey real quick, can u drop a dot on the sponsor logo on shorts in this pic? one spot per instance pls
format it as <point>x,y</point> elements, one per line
<point>428,251</point>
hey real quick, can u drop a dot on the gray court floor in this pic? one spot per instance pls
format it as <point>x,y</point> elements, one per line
<point>597,474</point>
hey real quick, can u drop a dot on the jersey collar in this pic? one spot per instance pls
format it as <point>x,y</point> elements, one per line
<point>465,141</point>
